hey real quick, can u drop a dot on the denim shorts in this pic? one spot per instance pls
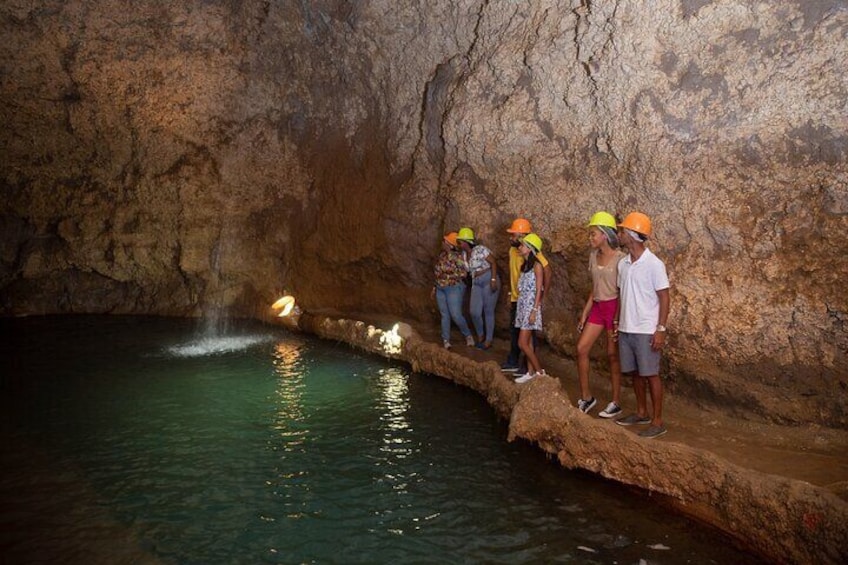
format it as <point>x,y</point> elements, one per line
<point>634,351</point>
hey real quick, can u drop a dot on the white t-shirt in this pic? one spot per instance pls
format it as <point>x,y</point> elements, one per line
<point>477,259</point>
<point>638,283</point>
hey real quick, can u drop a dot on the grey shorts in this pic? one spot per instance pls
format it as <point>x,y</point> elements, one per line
<point>634,351</point>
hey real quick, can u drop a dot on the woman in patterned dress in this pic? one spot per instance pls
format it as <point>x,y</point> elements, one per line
<point>528,317</point>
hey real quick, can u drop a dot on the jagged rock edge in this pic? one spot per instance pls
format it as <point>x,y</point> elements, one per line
<point>784,520</point>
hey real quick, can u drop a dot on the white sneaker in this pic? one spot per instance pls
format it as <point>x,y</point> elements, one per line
<point>611,411</point>
<point>447,344</point>
<point>469,341</point>
<point>525,377</point>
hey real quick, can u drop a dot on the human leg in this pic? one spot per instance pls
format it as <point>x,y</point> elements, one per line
<point>524,342</point>
<point>640,389</point>
<point>526,346</point>
<point>656,389</point>
<point>615,369</point>
<point>476,308</point>
<point>514,350</point>
<point>629,369</point>
<point>656,428</point>
<point>489,304</point>
<point>444,312</point>
<point>613,409</point>
<point>584,346</point>
<point>648,360</point>
<point>455,295</point>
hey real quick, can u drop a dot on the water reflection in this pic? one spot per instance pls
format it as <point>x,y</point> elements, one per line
<point>394,423</point>
<point>284,453</point>
<point>392,468</point>
<point>290,425</point>
<point>289,417</point>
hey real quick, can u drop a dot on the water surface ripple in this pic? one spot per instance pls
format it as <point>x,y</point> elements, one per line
<point>128,440</point>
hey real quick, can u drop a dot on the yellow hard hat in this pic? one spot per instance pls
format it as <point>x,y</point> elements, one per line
<point>638,222</point>
<point>465,234</point>
<point>520,225</point>
<point>602,219</point>
<point>533,241</point>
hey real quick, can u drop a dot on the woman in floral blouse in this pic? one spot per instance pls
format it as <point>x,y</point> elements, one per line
<point>449,289</point>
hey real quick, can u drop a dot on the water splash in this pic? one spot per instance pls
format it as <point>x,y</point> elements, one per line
<point>217,345</point>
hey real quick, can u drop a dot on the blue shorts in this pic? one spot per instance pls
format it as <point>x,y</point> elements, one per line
<point>634,351</point>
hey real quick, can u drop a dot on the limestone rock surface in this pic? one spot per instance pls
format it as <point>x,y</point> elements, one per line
<point>190,157</point>
<point>783,519</point>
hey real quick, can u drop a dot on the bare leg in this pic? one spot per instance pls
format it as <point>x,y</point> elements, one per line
<point>640,387</point>
<point>525,343</point>
<point>615,369</point>
<point>584,346</point>
<point>656,387</point>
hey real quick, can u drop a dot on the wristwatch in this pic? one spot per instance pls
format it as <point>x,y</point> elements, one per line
<point>661,328</point>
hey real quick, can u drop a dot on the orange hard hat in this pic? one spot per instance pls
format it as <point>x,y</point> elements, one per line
<point>638,222</point>
<point>451,238</point>
<point>520,225</point>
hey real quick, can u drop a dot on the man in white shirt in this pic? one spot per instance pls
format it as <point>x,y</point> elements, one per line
<point>639,325</point>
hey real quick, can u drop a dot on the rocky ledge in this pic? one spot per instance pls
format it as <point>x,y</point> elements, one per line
<point>783,519</point>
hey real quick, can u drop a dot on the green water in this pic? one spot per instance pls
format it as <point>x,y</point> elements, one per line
<point>135,440</point>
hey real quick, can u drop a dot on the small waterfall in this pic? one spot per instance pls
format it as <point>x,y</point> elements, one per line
<point>215,321</point>
<point>216,333</point>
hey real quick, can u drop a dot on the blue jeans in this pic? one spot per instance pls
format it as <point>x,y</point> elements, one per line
<point>449,299</point>
<point>483,302</point>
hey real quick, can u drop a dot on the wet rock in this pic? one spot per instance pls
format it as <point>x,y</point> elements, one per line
<point>783,519</point>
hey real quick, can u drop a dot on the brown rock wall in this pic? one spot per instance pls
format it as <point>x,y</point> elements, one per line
<point>201,156</point>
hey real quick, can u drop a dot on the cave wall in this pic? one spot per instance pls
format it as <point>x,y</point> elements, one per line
<point>178,158</point>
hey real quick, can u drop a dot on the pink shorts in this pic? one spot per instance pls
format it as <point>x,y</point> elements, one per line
<point>603,313</point>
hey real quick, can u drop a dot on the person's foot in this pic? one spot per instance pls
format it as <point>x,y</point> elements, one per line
<point>586,405</point>
<point>509,367</point>
<point>633,420</point>
<point>653,431</point>
<point>483,345</point>
<point>447,344</point>
<point>524,378</point>
<point>469,341</point>
<point>611,411</point>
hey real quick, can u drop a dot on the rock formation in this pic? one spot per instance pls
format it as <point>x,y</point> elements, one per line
<point>196,156</point>
<point>784,520</point>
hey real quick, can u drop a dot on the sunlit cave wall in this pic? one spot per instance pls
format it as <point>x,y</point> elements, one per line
<point>177,158</point>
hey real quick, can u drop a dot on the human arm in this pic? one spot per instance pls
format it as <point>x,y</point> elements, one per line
<point>658,341</point>
<point>493,265</point>
<point>537,303</point>
<point>616,318</point>
<point>586,308</point>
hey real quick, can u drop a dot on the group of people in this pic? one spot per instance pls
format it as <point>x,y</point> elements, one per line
<point>629,300</point>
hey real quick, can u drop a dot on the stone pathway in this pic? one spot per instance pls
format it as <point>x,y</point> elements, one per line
<point>809,453</point>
